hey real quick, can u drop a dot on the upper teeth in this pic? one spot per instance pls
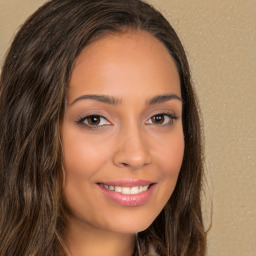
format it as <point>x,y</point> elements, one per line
<point>126,190</point>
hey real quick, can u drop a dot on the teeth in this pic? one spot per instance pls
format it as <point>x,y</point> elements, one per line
<point>135,190</point>
<point>144,188</point>
<point>118,189</point>
<point>126,190</point>
<point>111,188</point>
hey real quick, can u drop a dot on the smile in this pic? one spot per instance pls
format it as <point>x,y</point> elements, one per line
<point>129,193</point>
<point>126,190</point>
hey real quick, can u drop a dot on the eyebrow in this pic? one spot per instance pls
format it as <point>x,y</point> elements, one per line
<point>163,98</point>
<point>115,101</point>
<point>102,98</point>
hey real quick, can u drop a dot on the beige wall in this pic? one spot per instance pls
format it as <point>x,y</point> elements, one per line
<point>220,39</point>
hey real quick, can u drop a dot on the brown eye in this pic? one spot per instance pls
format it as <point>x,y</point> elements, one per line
<point>162,119</point>
<point>158,119</point>
<point>93,120</point>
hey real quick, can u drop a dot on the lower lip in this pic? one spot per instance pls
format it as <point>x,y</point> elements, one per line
<point>129,200</point>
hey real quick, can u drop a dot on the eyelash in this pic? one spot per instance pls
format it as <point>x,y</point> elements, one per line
<point>82,120</point>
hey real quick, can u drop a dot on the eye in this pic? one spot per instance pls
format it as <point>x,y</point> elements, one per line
<point>162,119</point>
<point>93,121</point>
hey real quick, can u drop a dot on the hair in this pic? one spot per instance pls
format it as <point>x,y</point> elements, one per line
<point>33,86</point>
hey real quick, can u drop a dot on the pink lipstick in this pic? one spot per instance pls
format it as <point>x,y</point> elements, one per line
<point>128,192</point>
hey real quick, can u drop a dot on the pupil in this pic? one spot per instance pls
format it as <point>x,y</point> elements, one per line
<point>94,120</point>
<point>158,119</point>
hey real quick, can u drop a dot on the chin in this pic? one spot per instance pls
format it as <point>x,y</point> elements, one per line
<point>131,223</point>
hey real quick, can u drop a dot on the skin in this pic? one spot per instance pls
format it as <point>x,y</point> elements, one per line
<point>134,67</point>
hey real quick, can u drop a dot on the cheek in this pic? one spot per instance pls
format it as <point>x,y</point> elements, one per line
<point>81,166</point>
<point>170,157</point>
<point>81,155</point>
<point>168,151</point>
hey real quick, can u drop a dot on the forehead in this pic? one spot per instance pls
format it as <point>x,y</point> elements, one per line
<point>124,61</point>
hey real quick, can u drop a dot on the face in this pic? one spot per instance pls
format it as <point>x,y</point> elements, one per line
<point>122,133</point>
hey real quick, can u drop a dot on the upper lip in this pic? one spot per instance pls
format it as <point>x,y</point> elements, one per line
<point>127,183</point>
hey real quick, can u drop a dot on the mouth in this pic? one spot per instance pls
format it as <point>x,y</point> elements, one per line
<point>128,193</point>
<point>126,190</point>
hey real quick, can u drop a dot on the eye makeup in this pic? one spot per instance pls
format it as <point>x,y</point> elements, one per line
<point>96,121</point>
<point>93,121</point>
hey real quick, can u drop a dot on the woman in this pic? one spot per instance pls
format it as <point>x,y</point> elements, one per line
<point>100,135</point>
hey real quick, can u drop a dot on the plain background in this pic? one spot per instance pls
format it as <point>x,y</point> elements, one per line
<point>220,40</point>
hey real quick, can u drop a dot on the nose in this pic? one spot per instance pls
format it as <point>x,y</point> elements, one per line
<point>132,151</point>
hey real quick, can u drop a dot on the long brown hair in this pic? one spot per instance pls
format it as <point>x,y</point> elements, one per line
<point>33,87</point>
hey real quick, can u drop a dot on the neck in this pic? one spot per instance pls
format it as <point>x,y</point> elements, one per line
<point>85,240</point>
